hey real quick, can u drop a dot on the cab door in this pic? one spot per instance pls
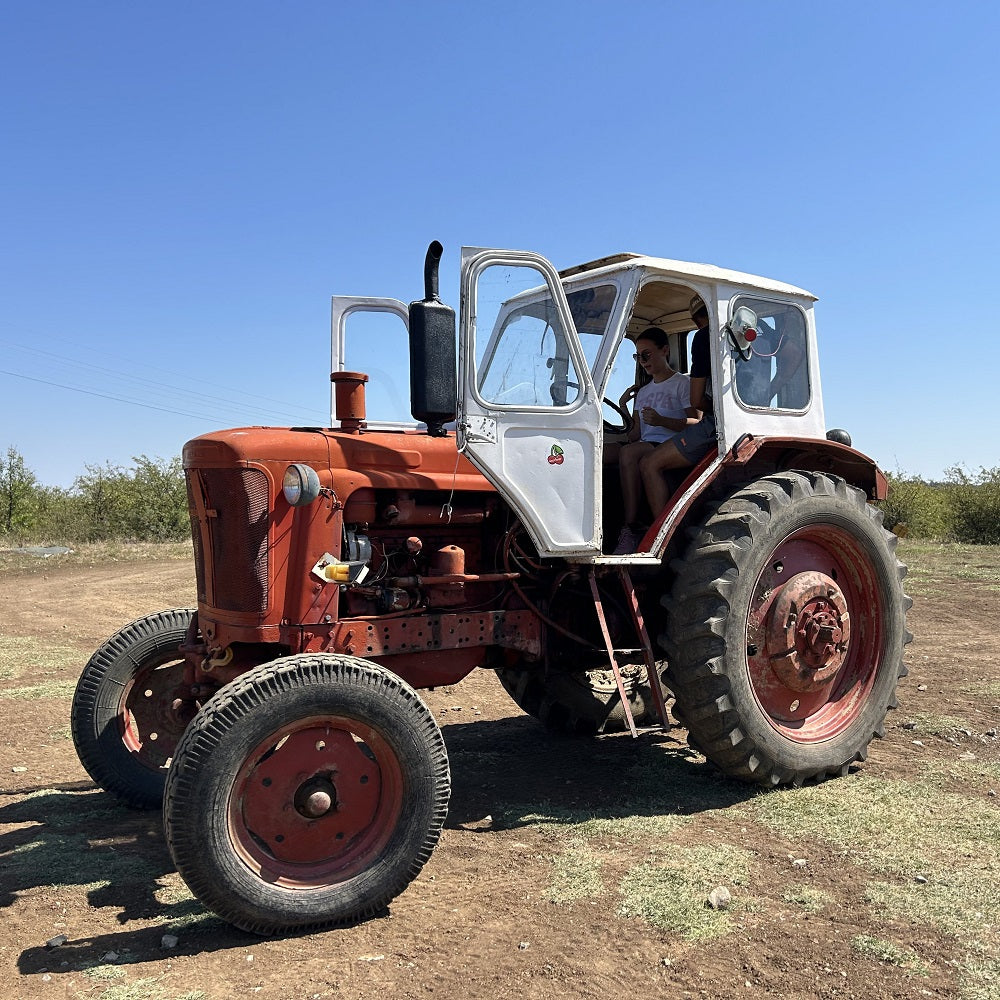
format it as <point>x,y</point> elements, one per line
<point>371,335</point>
<point>529,417</point>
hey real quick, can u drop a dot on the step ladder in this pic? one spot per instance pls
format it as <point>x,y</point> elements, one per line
<point>644,647</point>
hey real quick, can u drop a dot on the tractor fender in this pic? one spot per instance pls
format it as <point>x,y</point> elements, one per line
<point>755,456</point>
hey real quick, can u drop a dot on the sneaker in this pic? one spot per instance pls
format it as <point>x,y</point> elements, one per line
<point>628,541</point>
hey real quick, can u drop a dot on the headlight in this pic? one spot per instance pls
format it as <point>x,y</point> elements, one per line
<point>300,485</point>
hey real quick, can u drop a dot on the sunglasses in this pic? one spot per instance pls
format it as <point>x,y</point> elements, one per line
<point>643,355</point>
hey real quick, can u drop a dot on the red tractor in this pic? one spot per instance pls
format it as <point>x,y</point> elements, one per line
<point>341,569</point>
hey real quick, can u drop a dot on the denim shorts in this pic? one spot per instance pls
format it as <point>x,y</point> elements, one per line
<point>694,443</point>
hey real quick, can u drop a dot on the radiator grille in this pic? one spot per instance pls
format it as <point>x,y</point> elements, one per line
<point>236,534</point>
<point>199,552</point>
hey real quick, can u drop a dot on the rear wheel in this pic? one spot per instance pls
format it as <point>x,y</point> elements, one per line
<point>786,628</point>
<point>582,702</point>
<point>576,693</point>
<point>307,793</point>
<point>128,714</point>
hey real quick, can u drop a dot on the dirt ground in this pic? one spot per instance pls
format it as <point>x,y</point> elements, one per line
<point>481,920</point>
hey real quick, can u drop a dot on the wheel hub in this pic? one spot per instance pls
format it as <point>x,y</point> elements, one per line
<point>808,631</point>
<point>154,710</point>
<point>308,801</point>
<point>315,798</point>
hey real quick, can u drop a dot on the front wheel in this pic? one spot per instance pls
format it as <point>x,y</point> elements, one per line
<point>129,708</point>
<point>786,628</point>
<point>307,793</point>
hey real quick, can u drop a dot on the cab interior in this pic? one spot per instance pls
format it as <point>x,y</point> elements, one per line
<point>660,303</point>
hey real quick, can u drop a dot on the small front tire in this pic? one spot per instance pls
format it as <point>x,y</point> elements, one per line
<point>308,793</point>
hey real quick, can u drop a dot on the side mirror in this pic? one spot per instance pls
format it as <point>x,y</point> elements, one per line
<point>742,330</point>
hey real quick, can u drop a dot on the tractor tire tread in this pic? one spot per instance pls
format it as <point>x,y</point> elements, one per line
<point>698,606</point>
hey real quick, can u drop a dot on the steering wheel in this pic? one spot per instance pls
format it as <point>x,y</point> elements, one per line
<point>621,408</point>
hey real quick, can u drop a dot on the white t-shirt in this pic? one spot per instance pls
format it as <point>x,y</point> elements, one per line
<point>670,398</point>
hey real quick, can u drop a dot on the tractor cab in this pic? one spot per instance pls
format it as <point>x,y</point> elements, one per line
<point>547,373</point>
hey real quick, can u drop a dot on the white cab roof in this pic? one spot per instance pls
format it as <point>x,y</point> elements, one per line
<point>682,269</point>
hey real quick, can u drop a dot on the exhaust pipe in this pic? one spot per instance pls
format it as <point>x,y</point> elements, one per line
<point>432,264</point>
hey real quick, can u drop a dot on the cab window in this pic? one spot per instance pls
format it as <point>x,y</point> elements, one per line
<point>591,310</point>
<point>776,375</point>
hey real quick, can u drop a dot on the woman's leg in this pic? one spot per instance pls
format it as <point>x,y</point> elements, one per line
<point>651,468</point>
<point>631,478</point>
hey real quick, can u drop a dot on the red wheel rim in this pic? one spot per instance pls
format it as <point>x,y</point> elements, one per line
<point>151,726</point>
<point>316,802</point>
<point>814,633</point>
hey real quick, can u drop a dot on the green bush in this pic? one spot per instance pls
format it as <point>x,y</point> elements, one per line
<point>974,499</point>
<point>58,519</point>
<point>916,508</point>
<point>146,502</point>
<point>18,501</point>
<point>963,508</point>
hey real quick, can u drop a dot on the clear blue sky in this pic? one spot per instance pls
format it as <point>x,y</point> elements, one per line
<point>184,185</point>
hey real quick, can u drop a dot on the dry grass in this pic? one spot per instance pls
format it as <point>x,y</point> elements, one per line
<point>90,554</point>
<point>932,565</point>
<point>21,656</point>
<point>146,988</point>
<point>902,828</point>
<point>672,895</point>
<point>886,951</point>
<point>924,723</point>
<point>576,875</point>
<point>47,689</point>
<point>811,900</point>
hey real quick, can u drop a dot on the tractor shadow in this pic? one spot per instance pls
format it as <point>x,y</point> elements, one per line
<point>79,841</point>
<point>515,770</point>
<point>78,836</point>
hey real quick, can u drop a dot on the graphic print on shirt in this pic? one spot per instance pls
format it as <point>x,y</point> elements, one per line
<point>670,398</point>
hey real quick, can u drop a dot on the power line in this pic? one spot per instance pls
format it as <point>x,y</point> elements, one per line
<point>211,403</point>
<point>104,395</point>
<point>186,376</point>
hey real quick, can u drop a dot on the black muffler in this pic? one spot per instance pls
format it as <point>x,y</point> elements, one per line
<point>433,361</point>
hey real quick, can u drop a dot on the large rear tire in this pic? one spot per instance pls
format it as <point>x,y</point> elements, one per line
<point>124,723</point>
<point>307,793</point>
<point>785,631</point>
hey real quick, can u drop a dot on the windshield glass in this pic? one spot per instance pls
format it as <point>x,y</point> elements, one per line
<point>527,361</point>
<point>591,310</point>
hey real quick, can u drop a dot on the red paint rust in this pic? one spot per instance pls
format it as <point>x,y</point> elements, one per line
<point>349,393</point>
<point>378,637</point>
<point>809,691</point>
<point>154,710</point>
